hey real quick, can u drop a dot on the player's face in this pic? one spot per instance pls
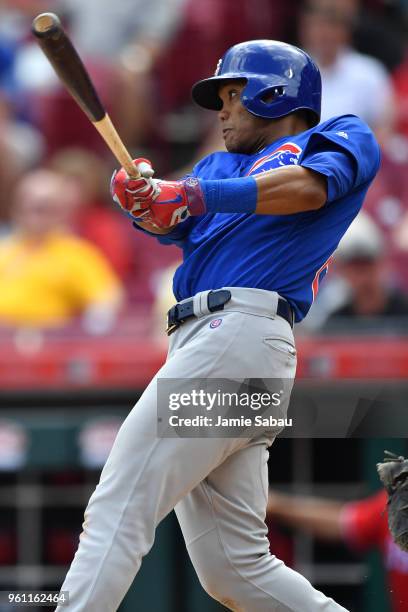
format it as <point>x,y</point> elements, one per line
<point>242,131</point>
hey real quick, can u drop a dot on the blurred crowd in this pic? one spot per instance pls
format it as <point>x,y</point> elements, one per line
<point>66,255</point>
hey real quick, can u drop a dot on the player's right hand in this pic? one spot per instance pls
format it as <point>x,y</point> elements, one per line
<point>135,195</point>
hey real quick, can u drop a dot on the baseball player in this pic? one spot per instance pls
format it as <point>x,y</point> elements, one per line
<point>257,225</point>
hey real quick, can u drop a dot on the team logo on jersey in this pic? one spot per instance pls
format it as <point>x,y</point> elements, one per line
<point>215,323</point>
<point>286,154</point>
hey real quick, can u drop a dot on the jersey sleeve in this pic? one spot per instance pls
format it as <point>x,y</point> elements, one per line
<point>346,152</point>
<point>363,522</point>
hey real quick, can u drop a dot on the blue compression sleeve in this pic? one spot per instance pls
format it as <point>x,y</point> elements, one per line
<point>228,195</point>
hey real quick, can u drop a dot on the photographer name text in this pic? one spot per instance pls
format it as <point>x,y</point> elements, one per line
<point>205,421</point>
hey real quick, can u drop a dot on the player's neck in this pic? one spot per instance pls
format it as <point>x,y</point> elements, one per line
<point>291,125</point>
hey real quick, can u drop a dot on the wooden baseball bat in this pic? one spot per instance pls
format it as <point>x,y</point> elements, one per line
<point>66,62</point>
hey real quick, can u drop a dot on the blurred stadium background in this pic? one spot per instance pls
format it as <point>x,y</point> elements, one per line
<point>83,295</point>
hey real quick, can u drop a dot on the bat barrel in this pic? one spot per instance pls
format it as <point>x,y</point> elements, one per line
<point>63,57</point>
<point>66,62</point>
<point>47,25</point>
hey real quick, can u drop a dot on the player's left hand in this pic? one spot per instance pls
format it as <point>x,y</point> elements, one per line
<point>170,205</point>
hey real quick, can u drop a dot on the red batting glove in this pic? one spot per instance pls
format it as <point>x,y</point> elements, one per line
<point>176,201</point>
<point>170,206</point>
<point>135,195</point>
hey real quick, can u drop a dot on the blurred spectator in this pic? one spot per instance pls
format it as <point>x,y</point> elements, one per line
<point>47,275</point>
<point>361,525</point>
<point>21,147</point>
<point>352,82</point>
<point>362,263</point>
<point>120,24</point>
<point>94,218</point>
<point>24,141</point>
<point>15,22</point>
<point>363,285</point>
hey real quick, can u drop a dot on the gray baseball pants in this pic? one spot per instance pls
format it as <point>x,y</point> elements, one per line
<point>217,486</point>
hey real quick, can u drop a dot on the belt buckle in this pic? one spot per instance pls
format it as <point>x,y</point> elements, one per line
<point>172,323</point>
<point>171,328</point>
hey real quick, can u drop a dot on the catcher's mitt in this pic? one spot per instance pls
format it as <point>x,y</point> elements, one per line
<point>393,472</point>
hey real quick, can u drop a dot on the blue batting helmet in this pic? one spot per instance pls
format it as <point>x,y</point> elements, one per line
<point>280,79</point>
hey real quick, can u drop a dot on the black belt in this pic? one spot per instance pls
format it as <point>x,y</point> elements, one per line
<point>215,301</point>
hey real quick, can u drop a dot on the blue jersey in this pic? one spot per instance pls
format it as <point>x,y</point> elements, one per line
<point>289,254</point>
